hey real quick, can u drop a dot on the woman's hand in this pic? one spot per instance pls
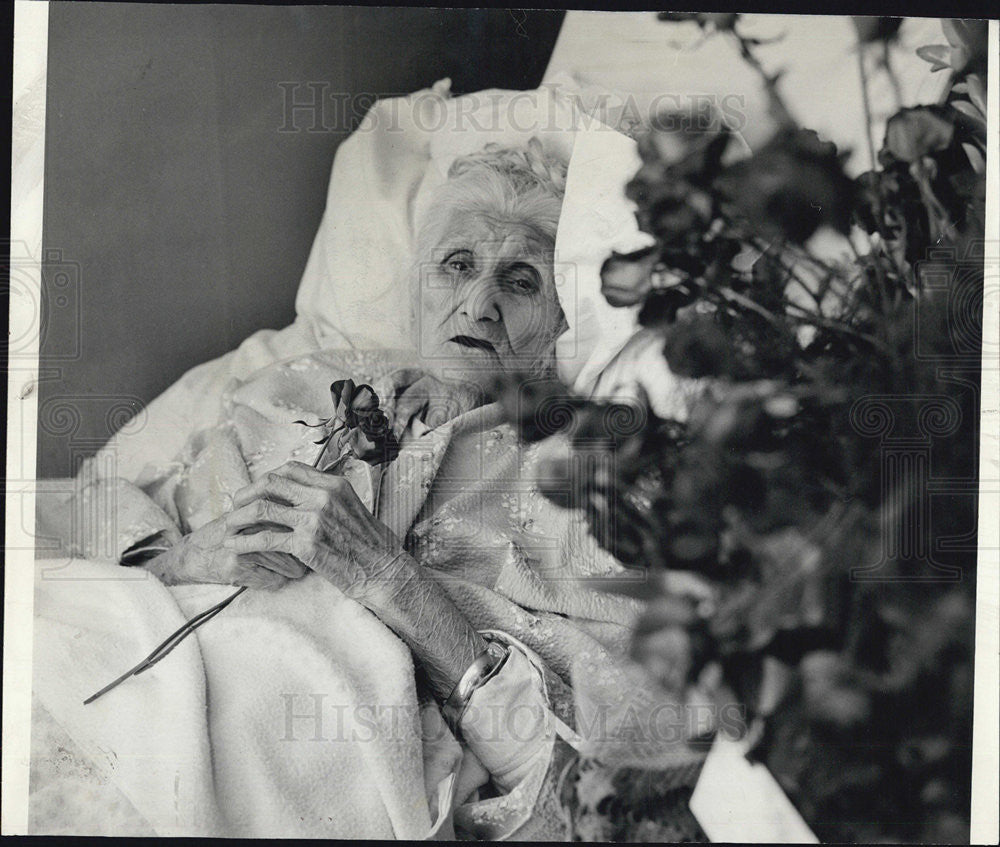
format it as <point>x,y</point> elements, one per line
<point>319,519</point>
<point>201,557</point>
<point>434,401</point>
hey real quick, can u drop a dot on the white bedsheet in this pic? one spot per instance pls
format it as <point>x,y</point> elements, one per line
<point>227,737</point>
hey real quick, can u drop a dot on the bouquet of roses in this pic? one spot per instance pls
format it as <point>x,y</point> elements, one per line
<point>818,587</point>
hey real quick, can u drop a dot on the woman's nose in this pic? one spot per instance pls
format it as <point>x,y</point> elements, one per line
<point>479,299</point>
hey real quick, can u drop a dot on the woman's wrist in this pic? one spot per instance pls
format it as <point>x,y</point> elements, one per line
<point>441,639</point>
<point>165,567</point>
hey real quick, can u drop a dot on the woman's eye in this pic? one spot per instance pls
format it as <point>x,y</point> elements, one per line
<point>459,262</point>
<point>522,278</point>
<point>523,284</point>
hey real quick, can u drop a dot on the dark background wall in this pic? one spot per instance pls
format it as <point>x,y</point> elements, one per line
<point>178,218</point>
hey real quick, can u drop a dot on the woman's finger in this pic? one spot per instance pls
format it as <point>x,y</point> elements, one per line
<point>260,542</point>
<point>253,576</point>
<point>281,563</point>
<point>263,511</point>
<point>402,379</point>
<point>278,487</point>
<point>409,406</point>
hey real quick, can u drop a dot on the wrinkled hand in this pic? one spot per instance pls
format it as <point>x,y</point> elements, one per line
<point>435,402</point>
<point>202,557</point>
<point>319,519</point>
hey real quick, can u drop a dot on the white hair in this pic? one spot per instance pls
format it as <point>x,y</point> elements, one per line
<point>519,184</point>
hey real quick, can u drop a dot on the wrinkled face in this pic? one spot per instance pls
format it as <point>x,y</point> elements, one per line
<point>487,298</point>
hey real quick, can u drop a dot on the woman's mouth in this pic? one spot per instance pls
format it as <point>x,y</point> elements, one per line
<point>474,343</point>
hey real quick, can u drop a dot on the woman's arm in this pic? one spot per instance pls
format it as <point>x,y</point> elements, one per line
<point>439,635</point>
<point>506,726</point>
<point>319,519</point>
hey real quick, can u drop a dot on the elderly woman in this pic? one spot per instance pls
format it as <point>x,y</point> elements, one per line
<point>487,305</point>
<point>461,559</point>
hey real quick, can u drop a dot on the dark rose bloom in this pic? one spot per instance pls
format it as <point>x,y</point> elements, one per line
<point>374,423</point>
<point>349,400</point>
<point>889,202</point>
<point>681,145</point>
<point>626,278</point>
<point>670,189</point>
<point>662,304</point>
<point>358,423</point>
<point>536,407</point>
<point>914,133</point>
<point>791,187</point>
<point>697,348</point>
<point>966,48</point>
<point>672,218</point>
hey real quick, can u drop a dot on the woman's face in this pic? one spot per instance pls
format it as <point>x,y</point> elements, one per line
<point>487,298</point>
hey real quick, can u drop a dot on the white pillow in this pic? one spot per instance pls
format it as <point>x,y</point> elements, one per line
<point>603,354</point>
<point>596,219</point>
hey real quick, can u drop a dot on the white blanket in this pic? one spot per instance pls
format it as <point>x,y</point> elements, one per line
<point>296,749</point>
